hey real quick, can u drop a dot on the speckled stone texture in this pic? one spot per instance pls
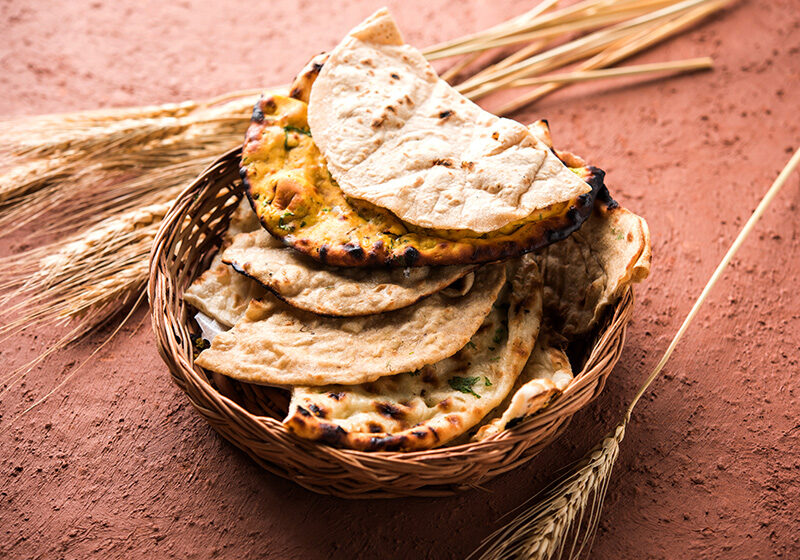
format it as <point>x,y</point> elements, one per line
<point>116,464</point>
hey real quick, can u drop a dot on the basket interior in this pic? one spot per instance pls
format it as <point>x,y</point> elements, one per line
<point>266,401</point>
<point>250,415</point>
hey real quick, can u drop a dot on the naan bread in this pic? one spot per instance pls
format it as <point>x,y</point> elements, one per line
<point>298,202</point>
<point>583,276</point>
<point>220,292</point>
<point>430,407</point>
<point>545,376</point>
<point>300,87</point>
<point>396,135</point>
<point>276,344</point>
<point>590,270</point>
<point>306,284</point>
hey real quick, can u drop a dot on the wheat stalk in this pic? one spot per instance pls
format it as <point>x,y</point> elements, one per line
<point>78,173</point>
<point>84,280</point>
<point>536,19</point>
<point>460,66</point>
<point>627,47</point>
<point>677,66</point>
<point>567,514</point>
<point>622,40</point>
<point>129,163</point>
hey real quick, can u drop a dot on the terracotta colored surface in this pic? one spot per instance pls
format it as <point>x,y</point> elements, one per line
<point>116,464</point>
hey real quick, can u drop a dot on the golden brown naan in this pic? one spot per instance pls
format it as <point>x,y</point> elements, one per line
<point>437,403</point>
<point>299,202</point>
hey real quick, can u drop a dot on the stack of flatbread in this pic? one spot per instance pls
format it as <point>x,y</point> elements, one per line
<point>410,268</point>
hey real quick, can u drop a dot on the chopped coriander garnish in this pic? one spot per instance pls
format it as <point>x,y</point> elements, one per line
<point>298,130</point>
<point>287,130</point>
<point>471,345</point>
<point>486,381</point>
<point>464,385</point>
<point>283,226</point>
<point>498,335</point>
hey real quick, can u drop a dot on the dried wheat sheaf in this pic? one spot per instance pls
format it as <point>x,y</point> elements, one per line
<point>70,172</point>
<point>97,184</point>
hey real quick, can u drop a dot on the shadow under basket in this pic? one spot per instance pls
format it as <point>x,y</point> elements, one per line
<point>249,416</point>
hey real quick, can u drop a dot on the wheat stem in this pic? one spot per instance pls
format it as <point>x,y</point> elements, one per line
<point>542,531</point>
<point>624,48</point>
<point>634,35</point>
<point>677,66</point>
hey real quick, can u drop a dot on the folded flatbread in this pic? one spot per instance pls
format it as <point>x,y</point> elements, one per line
<point>306,284</point>
<point>396,135</point>
<point>590,270</point>
<point>276,344</point>
<point>220,292</point>
<point>546,375</point>
<point>298,202</point>
<point>583,276</point>
<point>429,407</point>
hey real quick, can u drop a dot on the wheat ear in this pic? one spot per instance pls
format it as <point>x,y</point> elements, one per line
<point>565,518</point>
<point>84,280</point>
<point>77,170</point>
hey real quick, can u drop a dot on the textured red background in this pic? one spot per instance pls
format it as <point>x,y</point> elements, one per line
<point>117,464</point>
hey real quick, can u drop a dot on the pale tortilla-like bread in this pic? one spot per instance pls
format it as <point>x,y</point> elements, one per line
<point>545,376</point>
<point>276,344</point>
<point>420,410</point>
<point>307,284</point>
<point>396,135</point>
<point>591,269</point>
<point>220,292</point>
<point>583,276</point>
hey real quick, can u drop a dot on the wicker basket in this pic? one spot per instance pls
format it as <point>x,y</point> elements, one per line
<point>250,415</point>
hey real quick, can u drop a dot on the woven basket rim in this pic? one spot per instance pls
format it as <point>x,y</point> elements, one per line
<point>174,261</point>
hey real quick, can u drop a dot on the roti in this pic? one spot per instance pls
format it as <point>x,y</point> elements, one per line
<point>276,344</point>
<point>306,284</point>
<point>220,292</point>
<point>397,136</point>
<point>589,272</point>
<point>583,276</point>
<point>299,202</point>
<point>430,407</point>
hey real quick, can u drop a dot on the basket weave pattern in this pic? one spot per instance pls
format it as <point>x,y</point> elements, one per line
<point>250,416</point>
